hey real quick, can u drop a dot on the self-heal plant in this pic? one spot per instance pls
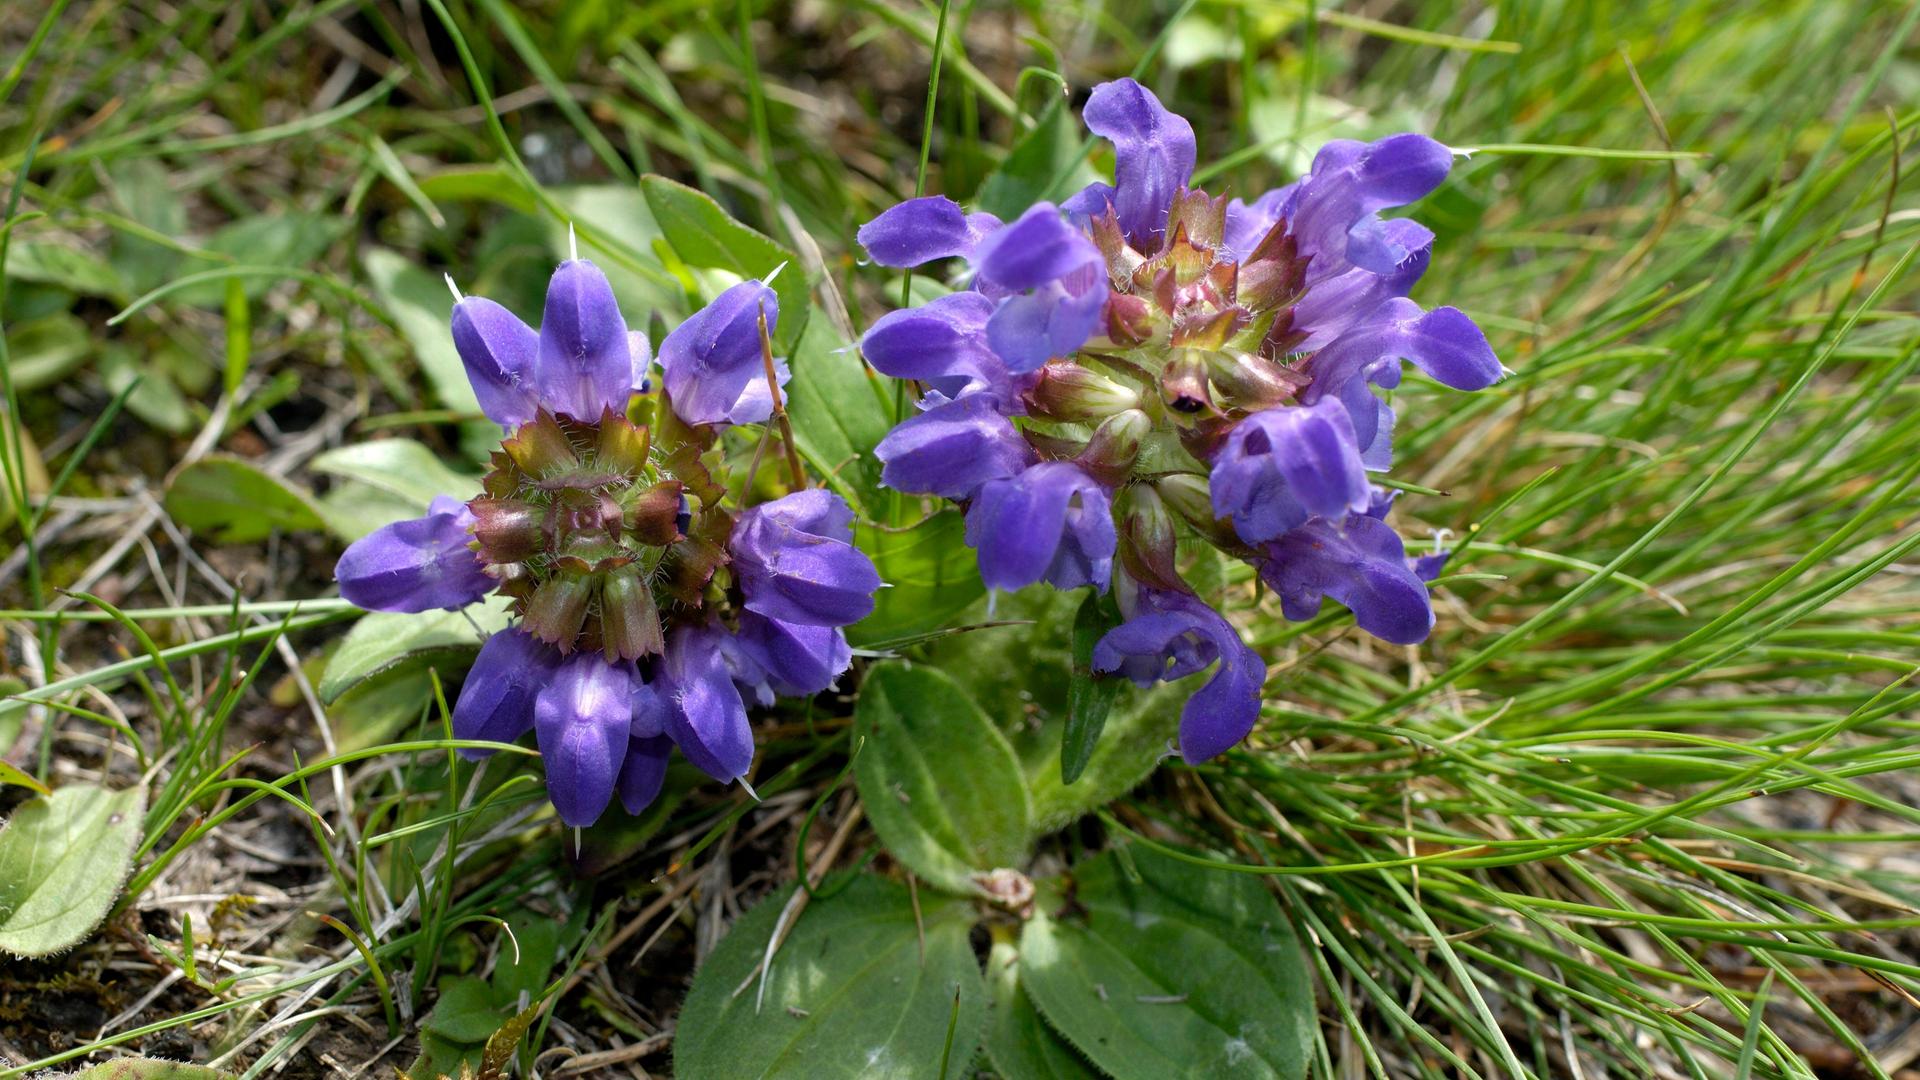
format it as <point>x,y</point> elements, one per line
<point>649,610</point>
<point>1147,360</point>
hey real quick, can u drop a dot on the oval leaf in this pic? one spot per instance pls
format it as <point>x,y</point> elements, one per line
<point>399,467</point>
<point>230,501</point>
<point>940,784</point>
<point>62,859</point>
<point>1182,972</point>
<point>930,574</point>
<point>385,641</point>
<point>851,993</point>
<point>1018,1041</point>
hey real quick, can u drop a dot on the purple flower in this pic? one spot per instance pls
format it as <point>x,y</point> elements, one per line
<point>714,370</point>
<point>1051,285</point>
<point>1170,635</point>
<point>1052,522</point>
<point>921,230</point>
<point>1443,343</point>
<point>1358,561</point>
<point>1281,466</point>
<point>952,449</point>
<point>500,354</point>
<point>790,658</point>
<point>708,721</point>
<point>415,565</point>
<point>582,719</point>
<point>796,561</point>
<point>496,701</point>
<point>1153,152</point>
<point>584,365</point>
<point>1038,292</point>
<point>942,344</point>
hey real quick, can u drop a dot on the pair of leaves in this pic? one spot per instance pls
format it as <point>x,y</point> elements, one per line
<point>1155,968</point>
<point>479,1021</point>
<point>62,859</point>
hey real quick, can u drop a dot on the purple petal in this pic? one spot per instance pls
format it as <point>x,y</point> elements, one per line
<point>952,449</point>
<point>1088,203</point>
<point>496,701</point>
<point>1153,152</point>
<point>795,561</point>
<point>1053,320</point>
<point>643,772</point>
<point>1280,466</point>
<point>1360,563</point>
<point>1333,212</point>
<point>584,366</point>
<point>797,660</point>
<point>712,363</point>
<point>1443,342</point>
<point>650,706</point>
<point>1333,305</point>
<point>1052,522</point>
<point>709,721</point>
<point>500,354</point>
<point>1172,635</point>
<point>942,343</point>
<point>582,719</point>
<point>1039,247</point>
<point>1249,223</point>
<point>921,230</point>
<point>415,565</point>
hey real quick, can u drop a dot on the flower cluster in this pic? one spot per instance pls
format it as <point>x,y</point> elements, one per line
<point>1146,354</point>
<point>648,611</point>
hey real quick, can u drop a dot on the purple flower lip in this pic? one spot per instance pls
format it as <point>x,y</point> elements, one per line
<point>613,550</point>
<point>1147,363</point>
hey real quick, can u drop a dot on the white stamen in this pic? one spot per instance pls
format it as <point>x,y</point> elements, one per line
<point>768,280</point>
<point>456,289</point>
<point>743,783</point>
<point>573,243</point>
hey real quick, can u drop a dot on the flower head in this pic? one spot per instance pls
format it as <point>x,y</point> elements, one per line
<point>644,604</point>
<point>1146,360</point>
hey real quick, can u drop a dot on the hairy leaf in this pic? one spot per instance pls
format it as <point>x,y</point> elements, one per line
<point>62,859</point>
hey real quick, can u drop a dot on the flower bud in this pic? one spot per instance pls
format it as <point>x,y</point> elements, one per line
<point>509,530</point>
<point>1147,539</point>
<point>1115,443</point>
<point>1130,319</point>
<point>629,621</point>
<point>1189,496</point>
<point>1251,382</point>
<point>1183,384</point>
<point>1068,391</point>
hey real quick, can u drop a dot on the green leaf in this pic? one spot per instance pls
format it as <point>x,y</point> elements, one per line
<point>69,268</point>
<point>1029,705</point>
<point>352,509</point>
<point>291,238</point>
<point>62,859</point>
<point>421,305</point>
<point>229,500</point>
<point>704,235</point>
<point>839,412</point>
<point>930,573</point>
<point>42,351</point>
<point>465,1011</point>
<point>388,641</point>
<point>158,400</point>
<point>11,774</point>
<point>478,183</point>
<point>1051,149</point>
<point>398,467</point>
<point>850,993</point>
<point>940,784</point>
<point>1175,971</point>
<point>1018,1041</point>
<point>149,1069</point>
<point>1089,696</point>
